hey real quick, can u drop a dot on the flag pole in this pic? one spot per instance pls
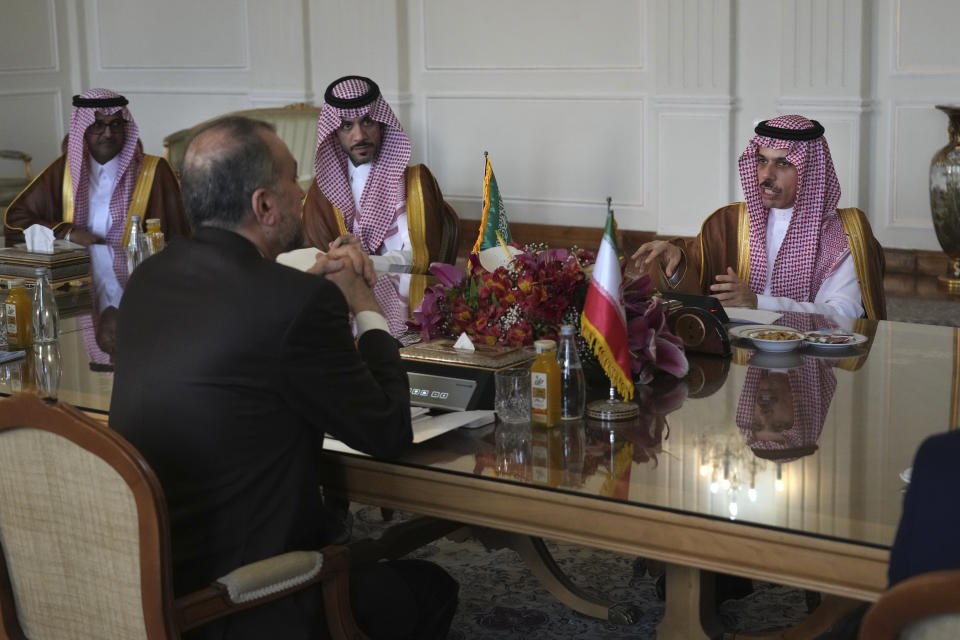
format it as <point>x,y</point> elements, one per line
<point>612,409</point>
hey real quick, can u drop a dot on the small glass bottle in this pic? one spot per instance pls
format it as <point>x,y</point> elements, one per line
<point>545,385</point>
<point>137,250</point>
<point>573,393</point>
<point>19,325</point>
<point>46,317</point>
<point>154,235</point>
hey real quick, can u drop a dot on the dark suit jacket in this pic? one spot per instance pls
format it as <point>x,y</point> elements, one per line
<point>229,368</point>
<point>927,536</point>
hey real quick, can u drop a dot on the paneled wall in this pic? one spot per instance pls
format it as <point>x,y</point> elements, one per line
<point>646,101</point>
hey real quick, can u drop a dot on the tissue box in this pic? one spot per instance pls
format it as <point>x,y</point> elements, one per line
<point>65,264</point>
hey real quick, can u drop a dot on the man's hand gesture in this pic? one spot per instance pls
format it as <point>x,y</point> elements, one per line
<point>731,291</point>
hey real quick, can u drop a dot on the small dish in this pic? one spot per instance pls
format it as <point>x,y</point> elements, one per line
<point>740,330</point>
<point>776,340</point>
<point>833,338</point>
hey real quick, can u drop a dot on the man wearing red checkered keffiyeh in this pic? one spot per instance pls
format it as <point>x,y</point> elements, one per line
<point>787,247</point>
<point>88,196</point>
<point>365,192</point>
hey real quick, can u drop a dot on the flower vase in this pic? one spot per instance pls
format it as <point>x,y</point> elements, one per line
<point>945,199</point>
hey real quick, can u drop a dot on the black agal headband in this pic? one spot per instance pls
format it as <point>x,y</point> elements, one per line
<point>812,133</point>
<point>373,92</point>
<point>93,103</point>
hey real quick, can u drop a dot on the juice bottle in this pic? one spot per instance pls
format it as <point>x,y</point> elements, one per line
<point>19,324</point>
<point>154,235</point>
<point>545,385</point>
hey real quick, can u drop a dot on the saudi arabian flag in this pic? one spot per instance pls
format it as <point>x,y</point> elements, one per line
<point>604,323</point>
<point>494,218</point>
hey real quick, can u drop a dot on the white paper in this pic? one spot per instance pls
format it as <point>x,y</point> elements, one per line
<point>753,316</point>
<point>463,343</point>
<point>428,426</point>
<point>39,238</point>
<point>301,259</point>
<point>494,257</point>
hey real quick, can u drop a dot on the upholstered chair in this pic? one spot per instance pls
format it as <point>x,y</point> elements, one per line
<point>85,542</point>
<point>924,607</point>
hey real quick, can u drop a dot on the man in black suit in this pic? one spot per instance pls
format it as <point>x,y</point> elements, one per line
<point>229,369</point>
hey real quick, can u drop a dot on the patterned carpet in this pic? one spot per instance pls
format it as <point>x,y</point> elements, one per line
<point>500,598</point>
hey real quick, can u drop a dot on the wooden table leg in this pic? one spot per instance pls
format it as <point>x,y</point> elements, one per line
<point>691,610</point>
<point>538,559</point>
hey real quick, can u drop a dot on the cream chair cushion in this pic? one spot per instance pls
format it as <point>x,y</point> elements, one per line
<point>72,547</point>
<point>296,125</point>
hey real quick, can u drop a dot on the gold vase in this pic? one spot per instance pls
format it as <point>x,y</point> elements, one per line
<point>945,199</point>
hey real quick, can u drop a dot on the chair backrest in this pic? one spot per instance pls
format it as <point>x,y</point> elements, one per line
<point>296,125</point>
<point>923,607</point>
<point>84,542</point>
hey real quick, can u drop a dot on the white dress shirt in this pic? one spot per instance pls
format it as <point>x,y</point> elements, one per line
<point>103,179</point>
<point>396,248</point>
<point>399,241</point>
<point>839,295</point>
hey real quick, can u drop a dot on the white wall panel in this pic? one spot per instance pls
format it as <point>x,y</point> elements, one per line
<point>18,130</point>
<point>926,36</point>
<point>533,34</point>
<point>918,132</point>
<point>160,113</point>
<point>693,169</point>
<point>824,45</point>
<point>550,154</point>
<point>28,36</point>
<point>693,46</point>
<point>173,34</point>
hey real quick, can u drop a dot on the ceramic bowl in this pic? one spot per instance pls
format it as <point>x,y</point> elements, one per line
<point>776,340</point>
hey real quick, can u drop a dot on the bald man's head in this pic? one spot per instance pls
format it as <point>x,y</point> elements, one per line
<point>225,162</point>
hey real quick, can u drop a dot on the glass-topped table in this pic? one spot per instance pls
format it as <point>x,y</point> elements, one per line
<point>789,470</point>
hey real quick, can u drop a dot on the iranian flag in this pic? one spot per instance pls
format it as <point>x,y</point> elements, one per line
<point>603,322</point>
<point>494,219</point>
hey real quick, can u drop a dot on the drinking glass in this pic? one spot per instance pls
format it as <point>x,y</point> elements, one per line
<point>512,394</point>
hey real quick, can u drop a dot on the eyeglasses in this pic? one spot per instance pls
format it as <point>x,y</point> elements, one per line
<point>116,126</point>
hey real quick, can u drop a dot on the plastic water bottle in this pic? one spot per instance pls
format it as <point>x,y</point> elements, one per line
<point>573,392</point>
<point>138,245</point>
<point>46,317</point>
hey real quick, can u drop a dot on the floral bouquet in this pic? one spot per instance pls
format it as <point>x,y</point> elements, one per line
<point>531,297</point>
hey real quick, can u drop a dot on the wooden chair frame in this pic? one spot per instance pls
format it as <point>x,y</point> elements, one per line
<point>164,617</point>
<point>922,596</point>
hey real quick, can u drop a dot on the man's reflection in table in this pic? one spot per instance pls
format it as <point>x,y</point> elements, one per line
<point>781,412</point>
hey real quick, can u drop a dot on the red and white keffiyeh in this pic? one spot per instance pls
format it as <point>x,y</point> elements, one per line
<point>815,243</point>
<point>78,156</point>
<point>384,194</point>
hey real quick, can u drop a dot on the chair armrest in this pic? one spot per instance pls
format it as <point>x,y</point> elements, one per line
<point>922,596</point>
<point>23,156</point>
<point>267,580</point>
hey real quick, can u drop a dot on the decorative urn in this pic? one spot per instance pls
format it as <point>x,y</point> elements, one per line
<point>945,199</point>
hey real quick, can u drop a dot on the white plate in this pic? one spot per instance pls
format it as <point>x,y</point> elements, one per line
<point>855,339</point>
<point>741,330</point>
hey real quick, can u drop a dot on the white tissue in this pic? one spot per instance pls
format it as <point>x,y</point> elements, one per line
<point>39,238</point>
<point>463,342</point>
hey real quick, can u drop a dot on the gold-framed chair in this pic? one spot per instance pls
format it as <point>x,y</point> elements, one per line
<point>923,607</point>
<point>85,542</point>
<point>296,125</point>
